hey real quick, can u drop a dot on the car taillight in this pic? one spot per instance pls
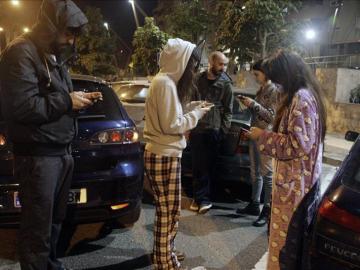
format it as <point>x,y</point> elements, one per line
<point>339,216</point>
<point>2,140</point>
<point>115,136</point>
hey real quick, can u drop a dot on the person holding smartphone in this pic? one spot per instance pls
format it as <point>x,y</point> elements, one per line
<point>263,108</point>
<point>213,86</point>
<point>38,101</point>
<point>166,123</point>
<point>296,144</point>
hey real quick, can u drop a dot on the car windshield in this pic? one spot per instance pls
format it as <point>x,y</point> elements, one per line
<point>132,93</point>
<point>108,108</point>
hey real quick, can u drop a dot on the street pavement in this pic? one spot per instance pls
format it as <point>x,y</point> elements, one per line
<point>219,239</point>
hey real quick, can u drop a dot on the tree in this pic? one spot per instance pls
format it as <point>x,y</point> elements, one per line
<point>253,29</point>
<point>96,47</point>
<point>148,42</point>
<point>187,19</point>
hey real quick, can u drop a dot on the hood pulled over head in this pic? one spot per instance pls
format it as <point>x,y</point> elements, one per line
<point>56,16</point>
<point>175,57</point>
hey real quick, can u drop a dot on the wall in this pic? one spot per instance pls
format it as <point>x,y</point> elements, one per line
<point>341,117</point>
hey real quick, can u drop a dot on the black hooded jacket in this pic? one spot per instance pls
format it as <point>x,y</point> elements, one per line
<point>34,87</point>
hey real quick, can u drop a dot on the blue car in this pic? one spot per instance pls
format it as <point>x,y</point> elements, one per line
<point>108,175</point>
<point>336,234</point>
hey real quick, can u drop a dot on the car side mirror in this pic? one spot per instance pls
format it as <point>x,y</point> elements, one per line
<point>351,136</point>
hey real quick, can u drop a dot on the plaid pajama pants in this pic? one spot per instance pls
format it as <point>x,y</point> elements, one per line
<point>164,176</point>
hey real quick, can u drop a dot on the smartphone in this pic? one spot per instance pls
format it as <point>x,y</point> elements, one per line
<point>207,104</point>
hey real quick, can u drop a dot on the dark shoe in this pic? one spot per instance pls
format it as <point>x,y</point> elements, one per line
<point>263,219</point>
<point>252,209</point>
<point>204,207</point>
<point>180,255</point>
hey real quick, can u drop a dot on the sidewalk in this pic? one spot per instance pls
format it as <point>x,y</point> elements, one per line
<point>336,149</point>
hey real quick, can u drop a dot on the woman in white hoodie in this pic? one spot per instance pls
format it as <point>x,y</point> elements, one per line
<point>165,126</point>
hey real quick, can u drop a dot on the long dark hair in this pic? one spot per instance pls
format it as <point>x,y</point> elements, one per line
<point>186,86</point>
<point>290,71</point>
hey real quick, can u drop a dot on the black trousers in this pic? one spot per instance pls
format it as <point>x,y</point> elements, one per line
<point>204,151</point>
<point>44,186</point>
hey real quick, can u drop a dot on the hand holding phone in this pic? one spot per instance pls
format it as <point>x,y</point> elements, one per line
<point>206,104</point>
<point>94,96</point>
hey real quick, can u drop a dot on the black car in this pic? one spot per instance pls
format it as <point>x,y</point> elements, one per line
<point>336,234</point>
<point>233,163</point>
<point>108,174</point>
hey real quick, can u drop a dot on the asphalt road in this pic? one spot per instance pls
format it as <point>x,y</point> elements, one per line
<point>220,239</point>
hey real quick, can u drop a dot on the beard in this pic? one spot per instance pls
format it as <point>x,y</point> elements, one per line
<point>216,72</point>
<point>63,51</point>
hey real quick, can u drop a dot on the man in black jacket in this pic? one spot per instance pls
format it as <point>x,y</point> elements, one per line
<point>37,101</point>
<point>213,86</point>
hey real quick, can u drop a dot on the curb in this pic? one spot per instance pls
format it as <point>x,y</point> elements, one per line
<point>331,161</point>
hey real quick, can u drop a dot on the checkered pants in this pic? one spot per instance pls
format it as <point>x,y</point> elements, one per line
<point>164,177</point>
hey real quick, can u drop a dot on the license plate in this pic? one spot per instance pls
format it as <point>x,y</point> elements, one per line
<point>337,250</point>
<point>76,196</point>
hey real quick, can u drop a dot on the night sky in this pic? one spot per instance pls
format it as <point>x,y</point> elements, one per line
<point>118,13</point>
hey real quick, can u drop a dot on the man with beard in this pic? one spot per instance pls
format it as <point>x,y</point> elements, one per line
<point>213,86</point>
<point>37,101</point>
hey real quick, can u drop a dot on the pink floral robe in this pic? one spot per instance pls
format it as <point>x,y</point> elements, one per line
<point>297,153</point>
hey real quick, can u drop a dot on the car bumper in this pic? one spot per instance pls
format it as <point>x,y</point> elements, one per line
<point>106,198</point>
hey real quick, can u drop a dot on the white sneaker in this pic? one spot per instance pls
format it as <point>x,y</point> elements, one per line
<point>194,206</point>
<point>204,207</point>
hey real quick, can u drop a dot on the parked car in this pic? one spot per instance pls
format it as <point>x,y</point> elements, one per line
<point>336,236</point>
<point>232,165</point>
<point>108,174</point>
<point>132,96</point>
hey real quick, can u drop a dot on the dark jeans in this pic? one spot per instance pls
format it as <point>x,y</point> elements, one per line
<point>204,151</point>
<point>44,187</point>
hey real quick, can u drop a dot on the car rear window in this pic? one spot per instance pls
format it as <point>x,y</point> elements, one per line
<point>351,176</point>
<point>108,108</point>
<point>132,93</point>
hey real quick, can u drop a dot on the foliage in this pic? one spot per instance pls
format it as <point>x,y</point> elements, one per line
<point>148,42</point>
<point>96,47</point>
<point>187,19</point>
<point>253,29</point>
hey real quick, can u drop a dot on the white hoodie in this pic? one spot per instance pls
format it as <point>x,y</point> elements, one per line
<point>165,121</point>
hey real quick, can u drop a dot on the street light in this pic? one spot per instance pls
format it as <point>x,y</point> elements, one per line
<point>26,30</point>
<point>310,34</point>
<point>106,25</point>
<point>15,3</point>
<point>132,2</point>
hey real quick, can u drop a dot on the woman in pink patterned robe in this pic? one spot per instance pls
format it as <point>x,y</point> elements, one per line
<point>295,143</point>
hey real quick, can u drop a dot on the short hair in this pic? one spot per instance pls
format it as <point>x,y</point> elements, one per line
<point>217,54</point>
